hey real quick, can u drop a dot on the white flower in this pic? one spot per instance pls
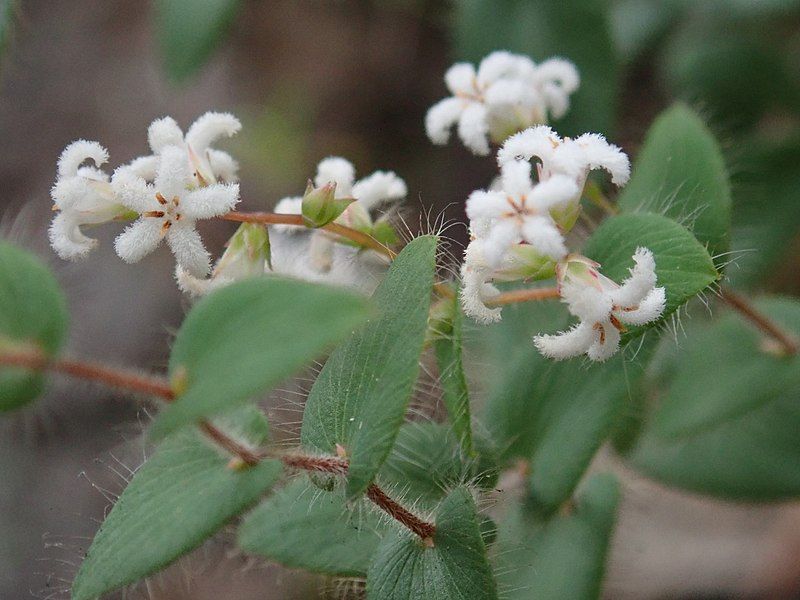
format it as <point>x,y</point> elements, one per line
<point>603,307</point>
<point>83,196</point>
<point>369,193</point>
<point>207,164</point>
<point>506,94</point>
<point>571,157</point>
<point>246,255</point>
<point>169,210</point>
<point>520,212</point>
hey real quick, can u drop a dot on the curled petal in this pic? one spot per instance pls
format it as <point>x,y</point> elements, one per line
<point>144,167</point>
<point>516,178</point>
<point>195,286</point>
<point>561,72</point>
<point>210,127</point>
<point>380,187</point>
<point>507,92</point>
<point>640,283</point>
<point>77,153</point>
<point>556,99</point>
<point>210,201</point>
<point>486,205</point>
<point>473,128</point>
<point>164,132</point>
<point>541,233</point>
<point>173,172</point>
<point>501,64</point>
<point>585,302</point>
<point>187,246</point>
<point>567,344</point>
<point>502,234</point>
<point>67,239</point>
<point>132,191</point>
<point>138,240</point>
<point>338,170</point>
<point>606,342</point>
<point>460,79</point>
<point>540,141</point>
<point>441,117</point>
<point>599,154</point>
<point>475,290</point>
<point>555,191</point>
<point>223,165</point>
<point>649,309</point>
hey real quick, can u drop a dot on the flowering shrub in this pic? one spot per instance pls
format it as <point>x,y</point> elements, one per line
<point>367,494</point>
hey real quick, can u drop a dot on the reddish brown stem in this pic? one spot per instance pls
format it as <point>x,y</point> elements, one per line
<point>134,382</point>
<point>526,295</point>
<point>749,312</point>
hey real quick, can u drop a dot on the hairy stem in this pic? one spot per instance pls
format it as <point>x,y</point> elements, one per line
<point>740,304</point>
<point>525,295</point>
<point>359,237</point>
<point>153,386</point>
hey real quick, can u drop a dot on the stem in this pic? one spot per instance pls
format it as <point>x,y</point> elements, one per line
<point>134,382</point>
<point>359,237</point>
<point>524,295</point>
<point>749,312</point>
<point>596,196</point>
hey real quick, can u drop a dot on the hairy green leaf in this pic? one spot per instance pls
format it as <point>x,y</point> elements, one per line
<point>455,567</point>
<point>728,421</point>
<point>249,336</point>
<point>360,397</point>
<point>177,499</point>
<point>189,31</point>
<point>33,317</point>
<point>563,557</point>
<point>302,527</point>
<point>680,173</point>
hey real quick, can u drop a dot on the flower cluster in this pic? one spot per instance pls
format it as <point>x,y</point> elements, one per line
<point>183,181</point>
<point>507,93</point>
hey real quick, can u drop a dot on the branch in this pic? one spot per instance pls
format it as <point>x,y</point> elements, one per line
<point>524,295</point>
<point>153,386</point>
<point>748,311</point>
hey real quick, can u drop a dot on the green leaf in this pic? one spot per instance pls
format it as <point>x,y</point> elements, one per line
<point>8,8</point>
<point>683,266</point>
<point>454,567</point>
<point>360,397</point>
<point>427,461</point>
<point>455,393</point>
<point>33,316</point>
<point>249,336</point>
<point>177,499</point>
<point>680,173</point>
<point>300,526</point>
<point>576,29</point>
<point>736,437</point>
<point>189,31</point>
<point>561,558</point>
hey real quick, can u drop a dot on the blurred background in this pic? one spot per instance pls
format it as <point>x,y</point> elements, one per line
<point>312,78</point>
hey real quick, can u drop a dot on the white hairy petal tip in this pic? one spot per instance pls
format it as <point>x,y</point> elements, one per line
<point>78,152</point>
<point>164,132</point>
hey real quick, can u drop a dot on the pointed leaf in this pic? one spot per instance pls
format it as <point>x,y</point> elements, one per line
<point>177,499</point>
<point>561,558</point>
<point>454,567</point>
<point>680,173</point>
<point>360,397</point>
<point>247,337</point>
<point>302,527</point>
<point>33,316</point>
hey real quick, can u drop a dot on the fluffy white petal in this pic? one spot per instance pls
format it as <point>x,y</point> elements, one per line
<point>539,141</point>
<point>475,290</point>
<point>556,100</point>
<point>555,191</point>
<point>187,246</point>
<point>380,187</point>
<point>640,283</point>
<point>340,171</point>
<point>195,286</point>
<point>561,71</point>
<point>497,65</point>
<point>473,128</point>
<point>516,178</point>
<point>566,344</point>
<point>138,240</point>
<point>585,302</point>
<point>210,127</point>
<point>441,117</point>
<point>66,238</point>
<point>486,205</point>
<point>320,251</point>
<point>77,153</point>
<point>599,154</point>
<point>606,343</point>
<point>164,132</point>
<point>650,308</point>
<point>223,165</point>
<point>289,206</point>
<point>508,92</point>
<point>210,201</point>
<point>132,191</point>
<point>69,192</point>
<point>144,167</point>
<point>502,234</point>
<point>173,173</point>
<point>460,78</point>
<point>541,233</point>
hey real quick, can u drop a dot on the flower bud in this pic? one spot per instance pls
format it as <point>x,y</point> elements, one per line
<point>321,206</point>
